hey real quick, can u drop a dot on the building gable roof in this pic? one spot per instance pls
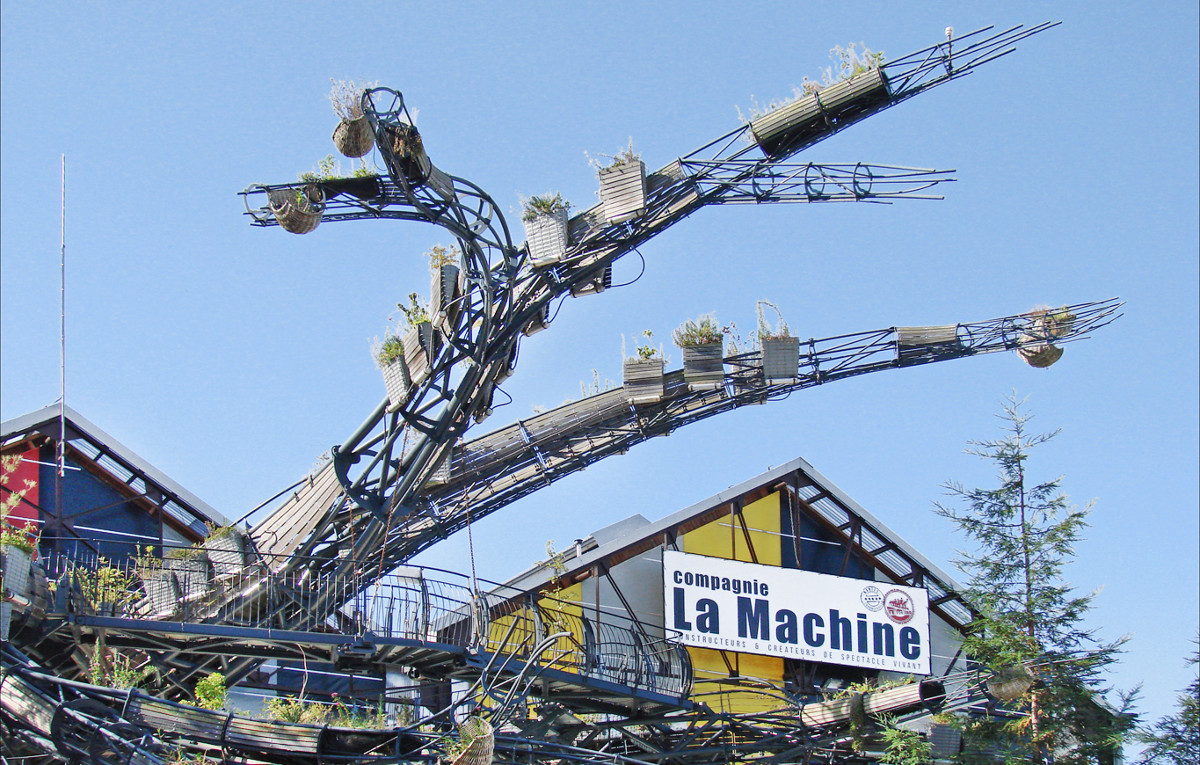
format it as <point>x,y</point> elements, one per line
<point>113,456</point>
<point>816,495</point>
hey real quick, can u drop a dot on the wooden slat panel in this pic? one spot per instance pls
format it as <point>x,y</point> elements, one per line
<point>21,701</point>
<point>277,736</point>
<point>912,336</point>
<point>283,531</point>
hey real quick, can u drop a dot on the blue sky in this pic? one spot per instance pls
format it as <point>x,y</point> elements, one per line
<point>231,357</point>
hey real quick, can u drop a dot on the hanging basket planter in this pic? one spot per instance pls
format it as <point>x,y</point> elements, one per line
<point>623,190</point>
<point>353,137</point>
<point>477,743</point>
<point>704,366</point>
<point>1009,683</point>
<point>643,380</point>
<point>780,358</point>
<point>298,210</point>
<point>1041,355</point>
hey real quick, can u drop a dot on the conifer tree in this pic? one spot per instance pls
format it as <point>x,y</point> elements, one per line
<point>1175,739</point>
<point>1029,622</point>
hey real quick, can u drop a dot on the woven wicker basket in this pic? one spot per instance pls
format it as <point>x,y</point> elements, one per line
<point>483,742</point>
<point>1041,355</point>
<point>298,211</point>
<point>353,138</point>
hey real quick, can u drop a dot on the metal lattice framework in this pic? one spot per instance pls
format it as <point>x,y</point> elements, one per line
<point>384,464</point>
<point>390,503</point>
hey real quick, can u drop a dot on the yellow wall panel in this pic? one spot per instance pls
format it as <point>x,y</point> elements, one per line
<point>725,538</point>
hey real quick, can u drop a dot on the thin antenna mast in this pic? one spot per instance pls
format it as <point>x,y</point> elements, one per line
<point>62,330</point>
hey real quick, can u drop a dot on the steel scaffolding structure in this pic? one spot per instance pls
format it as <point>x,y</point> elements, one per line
<point>329,577</point>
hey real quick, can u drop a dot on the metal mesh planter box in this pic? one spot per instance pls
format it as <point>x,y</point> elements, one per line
<point>704,366</point>
<point>623,191</point>
<point>927,342</point>
<point>397,382</point>
<point>17,563</point>
<point>191,574</point>
<point>404,153</point>
<point>298,211</point>
<point>781,358</point>
<point>945,740</point>
<point>162,592</point>
<point>807,117</point>
<point>353,138</point>
<point>643,380</point>
<point>546,236</point>
<point>446,291</point>
<point>418,351</point>
<point>441,473</point>
<point>227,552</point>
<point>939,335</point>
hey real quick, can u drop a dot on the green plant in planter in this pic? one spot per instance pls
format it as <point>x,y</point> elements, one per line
<point>767,332</point>
<point>344,716</point>
<point>903,746</point>
<point>107,584</point>
<point>293,710</point>
<point>10,534</point>
<point>113,669</point>
<point>546,204</point>
<point>701,331</point>
<point>18,538</point>
<point>145,562</point>
<point>346,97</point>
<point>184,553</point>
<point>848,62</point>
<point>389,349</point>
<point>210,692</point>
<point>416,312</point>
<point>626,156</point>
<point>442,256</point>
<point>645,351</point>
<point>216,532</point>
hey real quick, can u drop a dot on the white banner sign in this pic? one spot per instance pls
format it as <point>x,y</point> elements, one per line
<point>734,606</point>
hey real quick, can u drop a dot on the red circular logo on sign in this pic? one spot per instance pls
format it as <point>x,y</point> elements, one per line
<point>899,606</point>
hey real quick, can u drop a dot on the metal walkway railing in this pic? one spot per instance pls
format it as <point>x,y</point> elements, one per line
<point>501,631</point>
